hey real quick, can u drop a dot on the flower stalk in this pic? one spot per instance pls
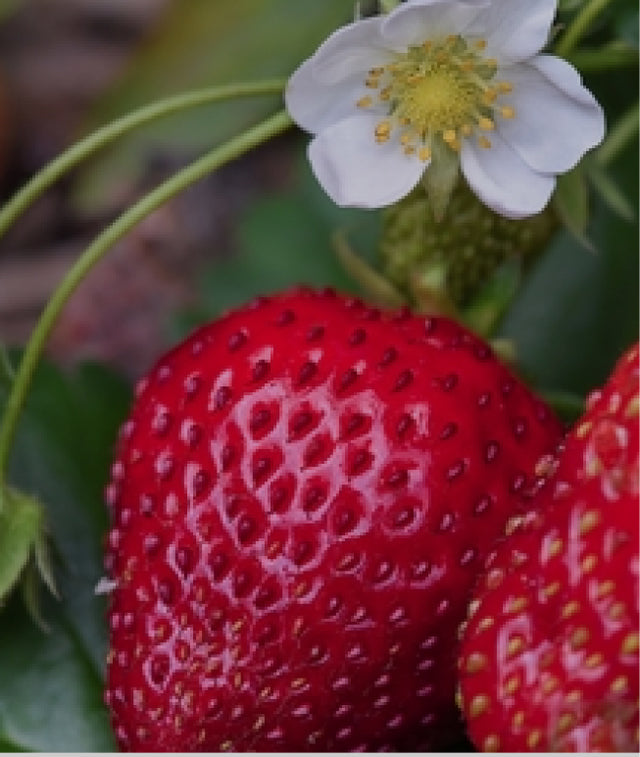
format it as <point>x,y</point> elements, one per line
<point>197,170</point>
<point>580,26</point>
<point>104,136</point>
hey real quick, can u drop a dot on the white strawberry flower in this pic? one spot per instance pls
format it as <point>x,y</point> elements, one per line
<point>384,95</point>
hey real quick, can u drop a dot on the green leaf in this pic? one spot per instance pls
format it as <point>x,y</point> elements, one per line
<point>571,201</point>
<point>577,313</point>
<point>284,239</point>
<point>21,523</point>
<point>201,43</point>
<point>51,684</point>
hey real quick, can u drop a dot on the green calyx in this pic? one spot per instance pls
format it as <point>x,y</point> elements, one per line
<point>24,551</point>
<point>444,265</point>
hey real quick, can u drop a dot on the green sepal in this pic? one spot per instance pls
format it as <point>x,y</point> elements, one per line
<point>23,542</point>
<point>571,202</point>
<point>484,312</point>
<point>376,286</point>
<point>441,177</point>
<point>428,287</point>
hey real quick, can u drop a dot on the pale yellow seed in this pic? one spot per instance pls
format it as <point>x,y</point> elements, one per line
<point>551,589</point>
<point>589,563</point>
<point>515,645</point>
<point>479,705</point>
<point>237,680</point>
<point>491,743</point>
<point>514,606</point>
<point>298,683</point>
<point>594,660</point>
<point>632,409</point>
<point>606,587</point>
<point>620,685</point>
<point>518,721</point>
<point>485,624</point>
<point>476,662</point>
<point>556,547</point>
<point>579,637</point>
<point>573,697</point>
<point>566,722</point>
<point>534,739</point>
<point>589,521</point>
<point>259,723</point>
<point>550,684</point>
<point>571,608</point>
<point>512,685</point>
<point>226,746</point>
<point>630,644</point>
<point>583,429</point>
<point>617,610</point>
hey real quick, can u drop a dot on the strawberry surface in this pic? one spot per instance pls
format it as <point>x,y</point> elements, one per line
<point>301,498</point>
<point>549,657</point>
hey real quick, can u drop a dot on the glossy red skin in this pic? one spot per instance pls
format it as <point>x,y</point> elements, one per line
<point>570,680</point>
<point>293,579</point>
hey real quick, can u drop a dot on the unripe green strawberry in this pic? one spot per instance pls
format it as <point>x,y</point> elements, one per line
<point>301,498</point>
<point>459,253</point>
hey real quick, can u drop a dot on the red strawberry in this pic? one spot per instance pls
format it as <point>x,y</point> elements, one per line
<point>301,500</point>
<point>549,658</point>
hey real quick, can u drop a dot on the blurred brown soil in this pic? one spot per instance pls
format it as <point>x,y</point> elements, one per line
<point>56,58</point>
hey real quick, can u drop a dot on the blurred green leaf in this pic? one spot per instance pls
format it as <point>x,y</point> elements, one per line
<point>51,684</point>
<point>610,192</point>
<point>201,43</point>
<point>283,240</point>
<point>627,21</point>
<point>578,311</point>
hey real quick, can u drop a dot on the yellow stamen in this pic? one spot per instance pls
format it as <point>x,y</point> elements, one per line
<point>449,136</point>
<point>506,111</point>
<point>484,142</point>
<point>486,123</point>
<point>504,87</point>
<point>424,154</point>
<point>383,131</point>
<point>365,102</point>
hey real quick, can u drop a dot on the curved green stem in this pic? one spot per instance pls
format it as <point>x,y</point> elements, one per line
<point>79,151</point>
<point>183,179</point>
<point>580,26</point>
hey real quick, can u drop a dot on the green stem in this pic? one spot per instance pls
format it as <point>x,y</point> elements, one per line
<point>115,231</point>
<point>579,26</point>
<point>79,151</point>
<point>623,131</point>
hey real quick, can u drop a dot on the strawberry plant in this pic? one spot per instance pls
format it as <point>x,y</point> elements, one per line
<point>272,540</point>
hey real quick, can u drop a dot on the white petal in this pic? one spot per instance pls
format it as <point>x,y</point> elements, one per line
<point>557,119</point>
<point>357,172</point>
<point>414,22</point>
<point>354,48</point>
<point>314,105</point>
<point>502,180</point>
<point>515,29</point>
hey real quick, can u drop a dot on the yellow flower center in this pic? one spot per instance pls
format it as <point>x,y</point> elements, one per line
<point>443,88</point>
